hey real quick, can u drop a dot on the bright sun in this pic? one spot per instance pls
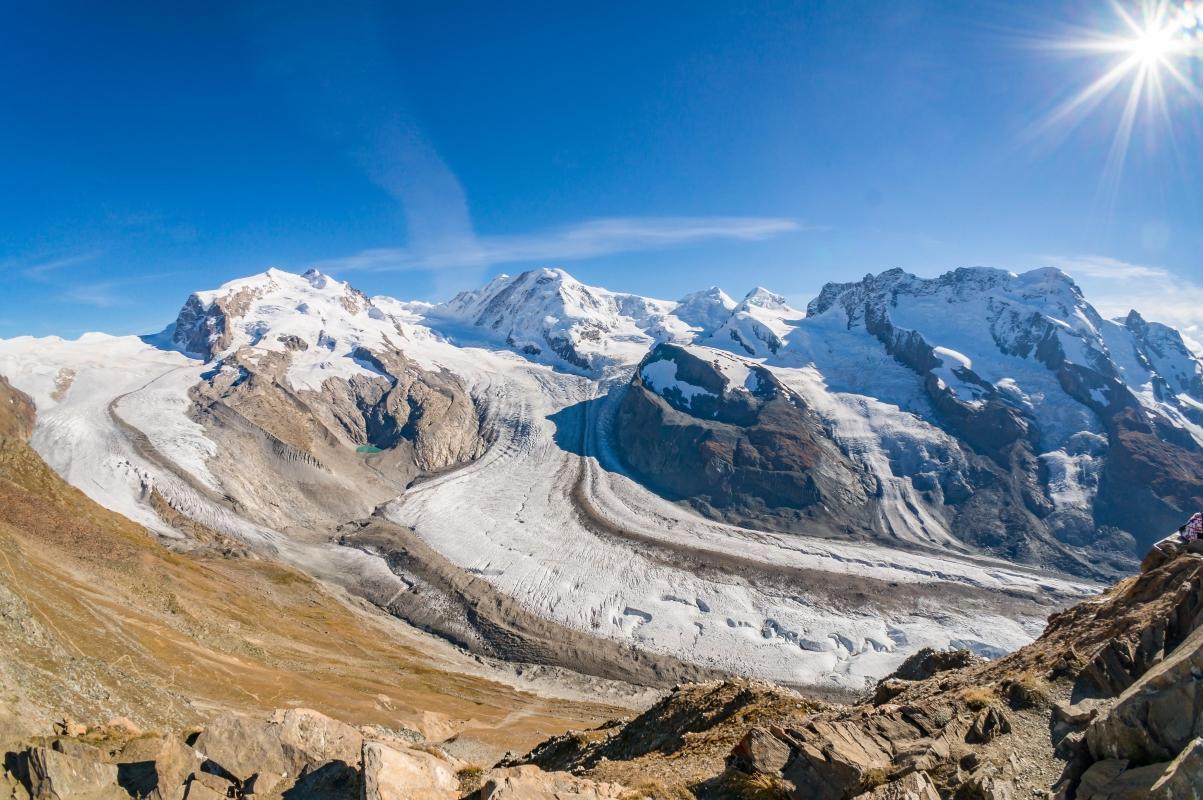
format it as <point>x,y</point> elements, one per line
<point>1151,46</point>
<point>1152,54</point>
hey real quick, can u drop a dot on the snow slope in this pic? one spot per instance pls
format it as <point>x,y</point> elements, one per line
<point>549,516</point>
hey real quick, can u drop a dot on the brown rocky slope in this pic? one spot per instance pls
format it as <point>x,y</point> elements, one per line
<point>98,621</point>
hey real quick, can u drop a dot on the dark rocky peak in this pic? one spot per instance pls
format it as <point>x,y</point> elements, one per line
<point>1134,322</point>
<point>710,384</point>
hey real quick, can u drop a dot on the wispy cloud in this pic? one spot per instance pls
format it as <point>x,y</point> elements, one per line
<point>1105,267</point>
<point>1114,287</point>
<point>41,268</point>
<point>99,295</point>
<point>588,239</point>
<point>351,92</point>
<point>58,272</point>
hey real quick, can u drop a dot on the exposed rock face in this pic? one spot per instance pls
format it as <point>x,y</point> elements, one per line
<point>1100,365</point>
<point>1160,714</point>
<point>928,662</point>
<point>291,746</point>
<point>735,442</point>
<point>52,775</point>
<point>16,413</point>
<point>914,786</point>
<point>296,753</point>
<point>389,773</point>
<point>1021,422</point>
<point>306,371</point>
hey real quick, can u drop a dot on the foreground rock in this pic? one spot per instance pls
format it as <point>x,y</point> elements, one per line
<point>390,772</point>
<point>51,775</point>
<point>295,753</point>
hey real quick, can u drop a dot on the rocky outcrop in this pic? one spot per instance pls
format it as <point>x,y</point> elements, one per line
<point>914,786</point>
<point>294,753</point>
<point>1159,715</point>
<point>53,775</point>
<point>928,662</point>
<point>16,413</point>
<point>389,772</point>
<point>289,747</point>
<point>751,451</point>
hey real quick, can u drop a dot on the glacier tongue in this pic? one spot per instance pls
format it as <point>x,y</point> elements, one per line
<point>944,396</point>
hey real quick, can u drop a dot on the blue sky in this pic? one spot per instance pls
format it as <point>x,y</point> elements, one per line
<point>420,148</point>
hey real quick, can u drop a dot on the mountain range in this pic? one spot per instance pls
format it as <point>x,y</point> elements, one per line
<point>549,472</point>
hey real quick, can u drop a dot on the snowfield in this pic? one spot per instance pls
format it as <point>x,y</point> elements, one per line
<point>550,517</point>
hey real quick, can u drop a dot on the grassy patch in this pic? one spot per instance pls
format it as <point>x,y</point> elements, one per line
<point>743,786</point>
<point>469,779</point>
<point>978,697</point>
<point>1029,690</point>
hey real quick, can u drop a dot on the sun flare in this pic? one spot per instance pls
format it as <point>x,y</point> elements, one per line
<point>1150,54</point>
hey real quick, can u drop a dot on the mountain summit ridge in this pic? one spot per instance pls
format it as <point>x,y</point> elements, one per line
<point>582,458</point>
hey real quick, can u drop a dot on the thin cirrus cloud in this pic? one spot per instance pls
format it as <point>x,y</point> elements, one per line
<point>1105,267</point>
<point>589,239</point>
<point>1114,287</point>
<point>43,268</point>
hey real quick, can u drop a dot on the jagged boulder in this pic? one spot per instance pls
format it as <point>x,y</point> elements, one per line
<point>241,746</point>
<point>298,746</point>
<point>1156,717</point>
<point>761,751</point>
<point>1180,779</point>
<point>834,759</point>
<point>390,772</point>
<point>989,723</point>
<point>155,767</point>
<point>928,661</point>
<point>51,775</point>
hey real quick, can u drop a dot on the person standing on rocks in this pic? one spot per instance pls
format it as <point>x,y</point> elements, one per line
<point>1192,531</point>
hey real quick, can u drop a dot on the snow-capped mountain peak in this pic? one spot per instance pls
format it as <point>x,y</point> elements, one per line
<point>758,326</point>
<point>761,297</point>
<point>706,310</point>
<point>321,324</point>
<point>550,316</point>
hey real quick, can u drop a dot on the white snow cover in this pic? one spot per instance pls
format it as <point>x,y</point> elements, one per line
<point>555,319</point>
<point>73,383</point>
<point>758,326</point>
<point>662,377</point>
<point>509,517</point>
<point>706,310</point>
<point>330,316</point>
